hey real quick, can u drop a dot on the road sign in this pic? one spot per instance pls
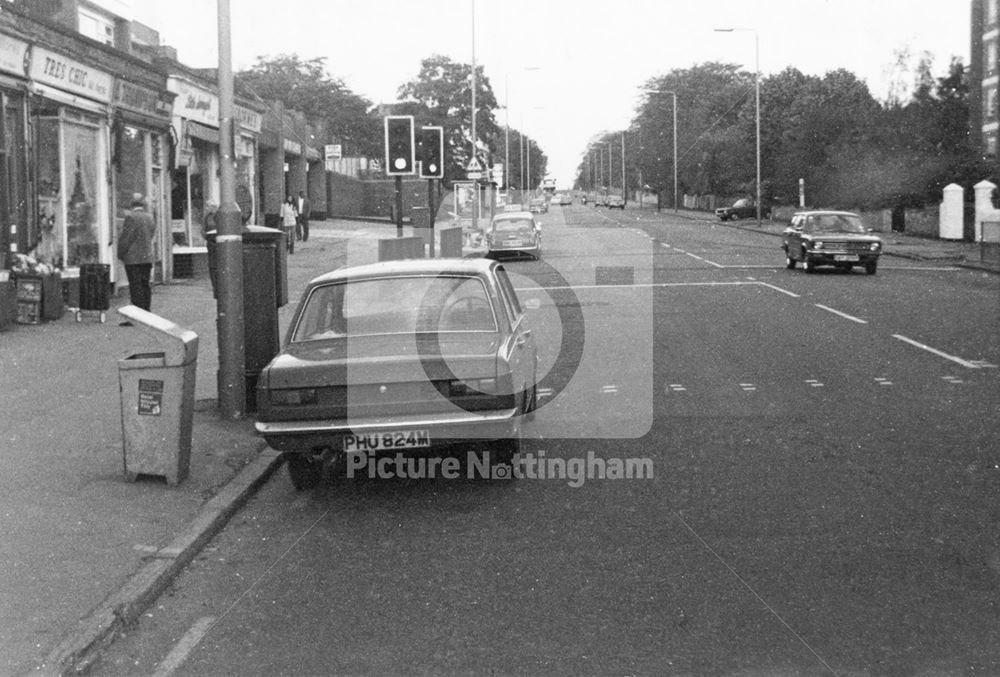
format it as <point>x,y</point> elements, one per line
<point>474,166</point>
<point>472,176</point>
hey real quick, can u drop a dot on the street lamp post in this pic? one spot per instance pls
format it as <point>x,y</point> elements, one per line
<point>673,95</point>
<point>756,86</point>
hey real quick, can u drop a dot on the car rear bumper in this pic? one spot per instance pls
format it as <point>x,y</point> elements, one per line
<point>831,258</point>
<point>308,436</point>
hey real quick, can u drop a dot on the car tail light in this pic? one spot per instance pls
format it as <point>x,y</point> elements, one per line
<point>465,387</point>
<point>291,396</point>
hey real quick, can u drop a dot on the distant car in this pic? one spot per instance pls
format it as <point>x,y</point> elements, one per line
<point>514,233</point>
<point>828,238</point>
<point>742,209</point>
<point>399,357</point>
<point>538,205</point>
<point>600,201</point>
<point>565,199</point>
<point>616,202</point>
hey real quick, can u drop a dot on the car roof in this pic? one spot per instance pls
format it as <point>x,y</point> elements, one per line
<point>513,215</point>
<point>816,212</point>
<point>409,267</point>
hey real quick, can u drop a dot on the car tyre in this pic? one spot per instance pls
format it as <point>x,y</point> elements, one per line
<point>304,471</point>
<point>789,262</point>
<point>871,267</point>
<point>808,266</point>
<point>734,217</point>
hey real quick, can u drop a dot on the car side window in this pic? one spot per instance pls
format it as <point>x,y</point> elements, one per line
<point>510,295</point>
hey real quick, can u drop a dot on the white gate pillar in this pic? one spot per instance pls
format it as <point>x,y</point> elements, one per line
<point>952,221</point>
<point>985,211</point>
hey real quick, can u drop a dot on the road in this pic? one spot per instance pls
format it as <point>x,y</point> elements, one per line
<point>824,498</point>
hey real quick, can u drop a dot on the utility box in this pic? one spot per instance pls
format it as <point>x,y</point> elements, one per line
<point>157,400</point>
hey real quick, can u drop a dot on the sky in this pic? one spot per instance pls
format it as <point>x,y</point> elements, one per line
<point>566,69</point>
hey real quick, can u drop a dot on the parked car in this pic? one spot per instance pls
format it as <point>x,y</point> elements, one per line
<point>538,205</point>
<point>742,209</point>
<point>616,202</point>
<point>514,233</point>
<point>400,357</point>
<point>829,238</point>
<point>600,200</point>
<point>565,199</point>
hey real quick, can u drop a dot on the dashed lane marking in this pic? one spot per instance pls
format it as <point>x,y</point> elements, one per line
<point>184,647</point>
<point>783,291</point>
<point>814,383</point>
<point>843,315</point>
<point>748,387</point>
<point>882,381</point>
<point>675,388</point>
<point>983,364</point>
<point>545,392</point>
<point>952,379</point>
<point>609,389</point>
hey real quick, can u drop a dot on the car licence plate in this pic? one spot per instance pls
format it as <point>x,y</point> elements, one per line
<point>397,439</point>
<point>511,243</point>
<point>845,257</point>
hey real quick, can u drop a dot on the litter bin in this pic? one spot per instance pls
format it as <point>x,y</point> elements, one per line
<point>157,400</point>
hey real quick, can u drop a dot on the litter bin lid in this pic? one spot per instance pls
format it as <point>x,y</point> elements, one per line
<point>261,234</point>
<point>180,345</point>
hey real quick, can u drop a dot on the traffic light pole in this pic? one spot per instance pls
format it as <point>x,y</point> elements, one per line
<point>399,206</point>
<point>430,211</point>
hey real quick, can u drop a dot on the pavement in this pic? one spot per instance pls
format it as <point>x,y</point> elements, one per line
<point>84,551</point>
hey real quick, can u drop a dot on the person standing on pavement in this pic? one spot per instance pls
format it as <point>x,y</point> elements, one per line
<point>135,249</point>
<point>289,221</point>
<point>303,224</point>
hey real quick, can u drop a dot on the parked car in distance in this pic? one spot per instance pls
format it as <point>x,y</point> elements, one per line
<point>514,233</point>
<point>600,200</point>
<point>538,205</point>
<point>830,238</point>
<point>400,357</point>
<point>565,199</point>
<point>616,202</point>
<point>742,209</point>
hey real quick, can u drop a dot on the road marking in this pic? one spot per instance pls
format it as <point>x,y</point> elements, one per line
<point>545,392</point>
<point>704,260</point>
<point>814,383</point>
<point>844,315</point>
<point>748,387</point>
<point>184,647</point>
<point>676,388</point>
<point>983,364</point>
<point>957,360</point>
<point>953,379</point>
<point>882,381</point>
<point>783,291</point>
<point>609,389</point>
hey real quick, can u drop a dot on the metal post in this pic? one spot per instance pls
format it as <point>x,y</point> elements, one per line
<point>399,206</point>
<point>624,192</point>
<point>229,245</point>
<point>675,150</point>
<point>756,80</point>
<point>475,182</point>
<point>430,212</point>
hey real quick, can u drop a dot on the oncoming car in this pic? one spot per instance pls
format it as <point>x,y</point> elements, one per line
<point>400,357</point>
<point>829,238</point>
<point>514,233</point>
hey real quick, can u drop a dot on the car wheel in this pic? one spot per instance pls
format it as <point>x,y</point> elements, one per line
<point>808,265</point>
<point>871,267</point>
<point>789,262</point>
<point>304,471</point>
<point>734,217</point>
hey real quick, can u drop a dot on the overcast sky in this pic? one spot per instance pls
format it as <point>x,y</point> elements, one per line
<point>571,68</point>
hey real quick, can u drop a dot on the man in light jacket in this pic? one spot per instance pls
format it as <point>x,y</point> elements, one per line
<point>135,249</point>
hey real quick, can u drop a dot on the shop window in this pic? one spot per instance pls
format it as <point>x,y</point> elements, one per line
<point>990,57</point>
<point>990,104</point>
<point>80,150</point>
<point>48,242</point>
<point>130,156</point>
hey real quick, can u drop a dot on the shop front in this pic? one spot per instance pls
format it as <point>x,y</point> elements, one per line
<point>140,148</point>
<point>14,202</point>
<point>69,121</point>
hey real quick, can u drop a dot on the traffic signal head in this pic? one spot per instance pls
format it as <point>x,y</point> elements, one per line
<point>398,144</point>
<point>430,152</point>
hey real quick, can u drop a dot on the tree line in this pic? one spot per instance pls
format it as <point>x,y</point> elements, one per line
<point>439,94</point>
<point>851,150</point>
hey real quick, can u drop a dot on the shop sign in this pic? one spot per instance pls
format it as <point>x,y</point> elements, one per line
<point>49,68</point>
<point>248,119</point>
<point>141,100</point>
<point>13,55</point>
<point>332,150</point>
<point>293,147</point>
<point>194,103</point>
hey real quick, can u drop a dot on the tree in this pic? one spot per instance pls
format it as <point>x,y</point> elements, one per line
<point>304,85</point>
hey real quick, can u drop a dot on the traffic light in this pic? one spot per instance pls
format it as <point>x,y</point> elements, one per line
<point>399,145</point>
<point>430,152</point>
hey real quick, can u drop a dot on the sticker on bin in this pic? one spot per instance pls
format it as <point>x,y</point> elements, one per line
<point>150,397</point>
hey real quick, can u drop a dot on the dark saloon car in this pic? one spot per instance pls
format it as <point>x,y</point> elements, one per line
<point>400,357</point>
<point>616,202</point>
<point>742,209</point>
<point>514,233</point>
<point>830,239</point>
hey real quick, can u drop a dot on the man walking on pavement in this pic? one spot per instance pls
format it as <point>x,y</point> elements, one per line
<point>303,222</point>
<point>135,249</point>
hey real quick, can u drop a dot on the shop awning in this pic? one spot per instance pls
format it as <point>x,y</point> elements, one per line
<point>196,130</point>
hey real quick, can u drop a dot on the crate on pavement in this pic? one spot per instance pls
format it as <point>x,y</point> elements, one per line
<point>39,297</point>
<point>95,289</point>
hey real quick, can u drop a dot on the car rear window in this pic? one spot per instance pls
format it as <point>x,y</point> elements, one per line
<point>396,305</point>
<point>513,225</point>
